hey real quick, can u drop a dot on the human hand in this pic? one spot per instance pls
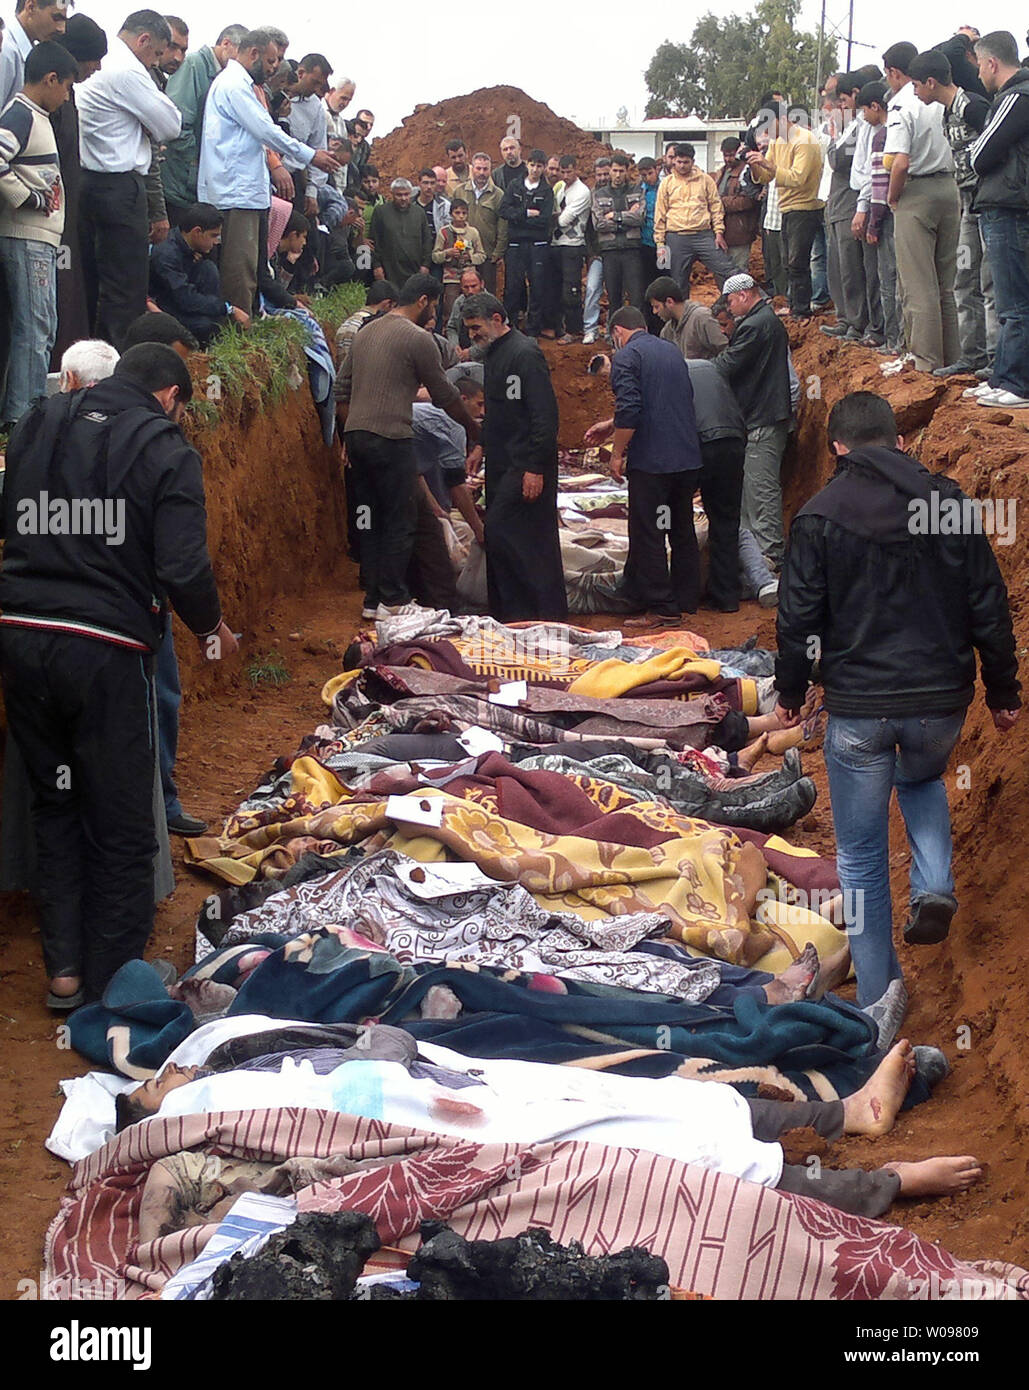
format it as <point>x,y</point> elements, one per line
<point>159,231</point>
<point>378,273</point>
<point>311,209</point>
<point>324,161</point>
<point>857,226</point>
<point>241,316</point>
<point>532,486</point>
<point>788,718</point>
<point>598,432</point>
<point>720,242</point>
<point>1004,719</point>
<point>618,467</point>
<point>282,182</point>
<point>220,643</point>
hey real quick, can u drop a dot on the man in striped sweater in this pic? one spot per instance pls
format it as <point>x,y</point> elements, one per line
<point>32,220</point>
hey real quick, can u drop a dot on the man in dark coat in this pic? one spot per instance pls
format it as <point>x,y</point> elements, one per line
<point>103,522</point>
<point>524,573</point>
<point>890,584</point>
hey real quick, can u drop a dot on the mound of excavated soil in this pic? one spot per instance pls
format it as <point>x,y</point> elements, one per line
<point>481,119</point>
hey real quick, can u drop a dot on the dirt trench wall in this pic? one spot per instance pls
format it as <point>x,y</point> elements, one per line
<point>276,517</point>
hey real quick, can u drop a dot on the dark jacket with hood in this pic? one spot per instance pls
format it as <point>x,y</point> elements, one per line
<point>1001,154</point>
<point>110,444</point>
<point>898,593</point>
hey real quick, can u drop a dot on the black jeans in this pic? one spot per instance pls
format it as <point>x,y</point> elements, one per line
<point>570,260</point>
<point>798,234</point>
<point>660,510</point>
<point>623,278</point>
<point>79,710</point>
<point>525,261</point>
<point>721,488</point>
<point>385,490</point>
<point>114,238</point>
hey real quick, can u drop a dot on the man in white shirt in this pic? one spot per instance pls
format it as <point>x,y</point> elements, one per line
<point>924,198</point>
<point>572,205</point>
<point>233,170</point>
<point>120,110</point>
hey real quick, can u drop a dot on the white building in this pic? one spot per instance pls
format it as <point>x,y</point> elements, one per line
<point>651,137</point>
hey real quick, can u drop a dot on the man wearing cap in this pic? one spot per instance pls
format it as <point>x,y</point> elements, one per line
<point>400,235</point>
<point>756,365</point>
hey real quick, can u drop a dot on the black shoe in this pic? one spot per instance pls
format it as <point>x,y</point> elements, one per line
<point>834,330</point>
<point>186,825</point>
<point>713,607</point>
<point>930,920</point>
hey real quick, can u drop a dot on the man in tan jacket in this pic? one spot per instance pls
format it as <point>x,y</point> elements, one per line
<point>484,198</point>
<point>794,161</point>
<point>689,223</point>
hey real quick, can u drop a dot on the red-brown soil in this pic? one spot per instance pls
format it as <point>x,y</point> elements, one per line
<point>275,518</point>
<point>481,119</point>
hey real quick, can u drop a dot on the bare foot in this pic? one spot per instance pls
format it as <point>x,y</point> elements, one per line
<point>936,1177</point>
<point>753,752</point>
<point>64,986</point>
<point>832,973</point>
<point>779,740</point>
<point>793,983</point>
<point>874,1108</point>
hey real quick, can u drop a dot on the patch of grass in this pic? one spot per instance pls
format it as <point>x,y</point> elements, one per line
<point>270,351</point>
<point>331,309</point>
<point>268,670</point>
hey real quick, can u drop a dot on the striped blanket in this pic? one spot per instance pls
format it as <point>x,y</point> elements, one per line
<point>721,1237</point>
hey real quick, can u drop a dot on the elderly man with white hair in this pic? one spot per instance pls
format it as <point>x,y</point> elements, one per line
<point>401,237</point>
<point>86,362</point>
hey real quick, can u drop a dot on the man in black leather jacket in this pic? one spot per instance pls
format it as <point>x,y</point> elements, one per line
<point>891,586</point>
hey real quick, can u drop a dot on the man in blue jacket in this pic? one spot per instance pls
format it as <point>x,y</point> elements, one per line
<point>655,438</point>
<point>184,280</point>
<point>233,171</point>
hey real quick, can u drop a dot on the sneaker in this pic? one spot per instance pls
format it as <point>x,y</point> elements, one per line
<point>768,596</point>
<point>368,613</point>
<point>1006,400</point>
<point>930,919</point>
<point>971,393</point>
<point>906,359</point>
<point>852,336</point>
<point>872,341</point>
<point>821,305</point>
<point>955,369</point>
<point>834,330</point>
<point>590,336</point>
<point>887,1013</point>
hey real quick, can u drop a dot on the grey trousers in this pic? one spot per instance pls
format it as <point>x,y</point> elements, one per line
<point>889,296</point>
<point>761,509</point>
<point>846,270</point>
<point>754,572</point>
<point>973,291</point>
<point>237,263</point>
<point>852,1190</point>
<point>927,227</point>
<point>740,256</point>
<point>687,247</point>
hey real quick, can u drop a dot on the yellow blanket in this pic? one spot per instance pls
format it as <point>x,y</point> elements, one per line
<point>692,879</point>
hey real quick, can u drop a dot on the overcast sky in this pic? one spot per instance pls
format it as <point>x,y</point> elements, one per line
<point>584,61</point>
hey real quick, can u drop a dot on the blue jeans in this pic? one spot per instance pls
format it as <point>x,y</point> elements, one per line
<point>866,759</point>
<point>1006,234</point>
<point>30,268</point>
<point>169,697</point>
<point>819,268</point>
<point>594,289</point>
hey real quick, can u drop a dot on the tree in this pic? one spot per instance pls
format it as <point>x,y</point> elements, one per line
<point>729,64</point>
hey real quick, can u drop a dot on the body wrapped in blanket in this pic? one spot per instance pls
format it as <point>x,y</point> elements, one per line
<point>413,1132</point>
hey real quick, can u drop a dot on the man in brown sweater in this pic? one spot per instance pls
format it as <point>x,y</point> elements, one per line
<point>390,359</point>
